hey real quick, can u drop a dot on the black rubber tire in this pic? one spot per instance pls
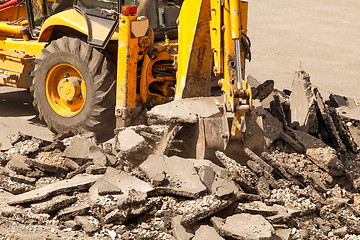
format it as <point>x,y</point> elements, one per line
<point>99,73</point>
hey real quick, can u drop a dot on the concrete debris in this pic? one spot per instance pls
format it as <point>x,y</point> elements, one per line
<point>289,179</point>
<point>70,164</point>
<point>173,175</point>
<point>240,174</point>
<point>328,122</point>
<point>13,187</point>
<point>80,183</point>
<point>48,162</point>
<point>301,99</point>
<point>73,211</point>
<point>341,101</point>
<point>94,170</point>
<point>256,207</point>
<point>283,233</point>
<point>205,232</point>
<point>79,147</point>
<point>321,154</point>
<point>343,131</point>
<point>263,90</point>
<point>292,142</point>
<point>88,223</point>
<point>349,113</point>
<point>185,110</point>
<point>80,170</point>
<point>131,145</point>
<point>195,210</point>
<point>55,203</point>
<point>25,148</point>
<point>244,226</point>
<point>17,164</point>
<point>181,232</point>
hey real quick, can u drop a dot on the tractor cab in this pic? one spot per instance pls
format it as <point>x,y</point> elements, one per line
<point>162,15</point>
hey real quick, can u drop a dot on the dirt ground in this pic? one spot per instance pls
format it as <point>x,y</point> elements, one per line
<point>17,114</point>
<point>322,36</point>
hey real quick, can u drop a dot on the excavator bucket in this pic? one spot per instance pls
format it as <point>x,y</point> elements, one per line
<point>205,119</point>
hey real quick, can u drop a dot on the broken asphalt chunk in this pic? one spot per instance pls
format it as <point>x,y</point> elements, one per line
<point>181,232</point>
<point>79,147</point>
<point>184,110</point>
<point>301,99</point>
<point>329,123</point>
<point>244,226</point>
<point>320,154</point>
<point>240,174</point>
<point>79,183</point>
<point>17,164</point>
<point>173,175</point>
<point>195,210</point>
<point>88,223</point>
<point>55,203</point>
<point>205,232</point>
<point>118,182</point>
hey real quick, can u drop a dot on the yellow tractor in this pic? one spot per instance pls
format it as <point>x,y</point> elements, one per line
<point>86,61</point>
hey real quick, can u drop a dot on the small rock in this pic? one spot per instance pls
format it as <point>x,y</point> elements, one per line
<point>79,147</point>
<point>94,170</point>
<point>181,232</point>
<point>244,226</point>
<point>174,175</point>
<point>206,232</point>
<point>71,164</point>
<point>257,207</point>
<point>55,203</point>
<point>283,234</point>
<point>131,145</point>
<point>88,223</point>
<point>17,164</point>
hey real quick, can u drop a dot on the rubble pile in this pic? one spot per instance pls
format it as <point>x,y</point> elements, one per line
<point>296,176</point>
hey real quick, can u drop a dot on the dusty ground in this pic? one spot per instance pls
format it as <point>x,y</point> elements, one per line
<point>323,36</point>
<point>17,114</point>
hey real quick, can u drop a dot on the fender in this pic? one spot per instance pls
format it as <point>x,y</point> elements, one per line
<point>71,19</point>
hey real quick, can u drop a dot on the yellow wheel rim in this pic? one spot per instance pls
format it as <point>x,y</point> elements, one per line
<point>65,90</point>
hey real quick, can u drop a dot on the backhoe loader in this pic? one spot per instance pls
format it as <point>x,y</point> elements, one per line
<point>86,61</point>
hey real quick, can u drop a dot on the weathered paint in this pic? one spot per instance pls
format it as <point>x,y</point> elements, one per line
<point>17,61</point>
<point>128,51</point>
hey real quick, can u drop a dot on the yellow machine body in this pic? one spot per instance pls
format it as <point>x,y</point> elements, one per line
<point>148,73</point>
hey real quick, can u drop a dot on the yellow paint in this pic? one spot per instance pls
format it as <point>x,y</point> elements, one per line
<point>29,48</point>
<point>7,30</point>
<point>128,55</point>
<point>69,89</point>
<point>65,97</point>
<point>72,19</point>
<point>16,60</point>
<point>194,56</point>
<point>216,36</point>
<point>188,19</point>
<point>235,19</point>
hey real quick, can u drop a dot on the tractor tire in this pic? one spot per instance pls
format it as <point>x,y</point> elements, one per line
<point>74,88</point>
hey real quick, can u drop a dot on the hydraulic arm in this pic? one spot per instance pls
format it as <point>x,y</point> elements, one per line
<point>214,28</point>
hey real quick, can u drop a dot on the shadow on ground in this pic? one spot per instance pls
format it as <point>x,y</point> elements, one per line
<point>18,103</point>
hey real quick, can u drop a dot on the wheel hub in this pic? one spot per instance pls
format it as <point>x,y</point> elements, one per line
<point>69,88</point>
